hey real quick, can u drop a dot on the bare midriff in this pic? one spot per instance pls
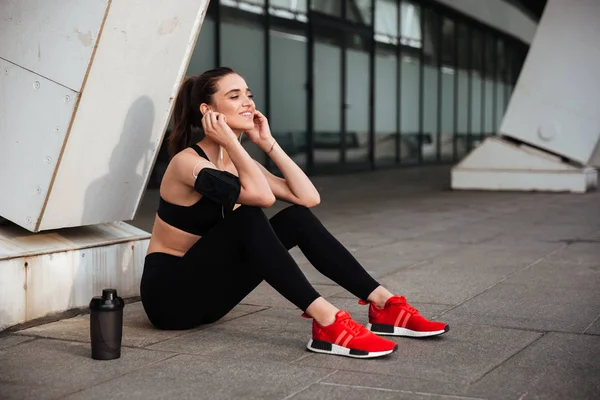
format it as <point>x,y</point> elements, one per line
<point>170,240</point>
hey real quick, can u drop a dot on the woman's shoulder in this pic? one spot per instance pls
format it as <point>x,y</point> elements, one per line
<point>188,162</point>
<point>188,155</point>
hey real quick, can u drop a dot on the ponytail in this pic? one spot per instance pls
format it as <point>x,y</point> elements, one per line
<point>193,92</point>
<point>183,117</point>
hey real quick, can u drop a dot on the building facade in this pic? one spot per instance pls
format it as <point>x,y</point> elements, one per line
<point>363,84</point>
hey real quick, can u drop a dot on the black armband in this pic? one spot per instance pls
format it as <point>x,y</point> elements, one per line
<point>219,186</point>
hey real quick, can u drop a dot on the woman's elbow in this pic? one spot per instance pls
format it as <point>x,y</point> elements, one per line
<point>312,201</point>
<point>257,198</point>
<point>266,200</point>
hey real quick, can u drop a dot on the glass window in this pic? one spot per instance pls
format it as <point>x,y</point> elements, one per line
<point>500,83</point>
<point>410,24</point>
<point>289,9</point>
<point>462,111</point>
<point>410,72</point>
<point>386,82</point>
<point>430,85</point>
<point>386,21</point>
<point>288,77</point>
<point>410,106</point>
<point>359,11</point>
<point>357,101</point>
<point>448,73</point>
<point>476,87</point>
<point>203,57</point>
<point>247,58</point>
<point>489,85</point>
<point>386,109</point>
<point>252,6</point>
<point>330,7</point>
<point>292,5</point>
<point>448,42</point>
<point>510,72</point>
<point>327,100</point>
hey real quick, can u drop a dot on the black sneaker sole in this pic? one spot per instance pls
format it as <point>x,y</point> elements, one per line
<point>391,330</point>
<point>319,346</point>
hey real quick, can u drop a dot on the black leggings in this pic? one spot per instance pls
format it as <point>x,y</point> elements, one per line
<point>241,251</point>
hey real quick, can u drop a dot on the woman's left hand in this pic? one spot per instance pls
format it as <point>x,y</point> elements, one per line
<point>261,133</point>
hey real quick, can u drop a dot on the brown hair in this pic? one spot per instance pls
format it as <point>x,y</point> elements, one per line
<point>194,91</point>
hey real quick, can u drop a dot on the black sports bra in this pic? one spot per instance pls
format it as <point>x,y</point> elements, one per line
<point>196,219</point>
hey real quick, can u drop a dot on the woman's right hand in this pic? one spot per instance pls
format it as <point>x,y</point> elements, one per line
<point>215,127</point>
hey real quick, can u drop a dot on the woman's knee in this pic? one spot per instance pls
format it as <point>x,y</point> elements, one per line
<point>295,213</point>
<point>249,220</point>
<point>249,212</point>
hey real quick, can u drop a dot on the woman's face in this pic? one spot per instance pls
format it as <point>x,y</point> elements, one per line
<point>234,100</point>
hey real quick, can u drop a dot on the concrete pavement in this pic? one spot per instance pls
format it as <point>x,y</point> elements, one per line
<point>516,275</point>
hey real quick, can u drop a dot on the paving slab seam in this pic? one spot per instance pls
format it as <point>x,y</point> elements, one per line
<point>234,357</point>
<point>117,377</point>
<point>36,337</point>
<point>411,266</point>
<point>507,359</point>
<point>588,334</point>
<point>335,295</point>
<point>451,396</point>
<point>578,239</point>
<point>465,224</point>
<point>506,278</point>
<point>76,340</point>
<point>395,376</point>
<point>304,356</point>
<point>591,324</point>
<point>520,328</point>
<point>289,396</point>
<point>203,327</point>
<point>29,340</point>
<point>523,396</point>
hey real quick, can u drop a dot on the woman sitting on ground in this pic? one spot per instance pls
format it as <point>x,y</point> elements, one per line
<point>212,244</point>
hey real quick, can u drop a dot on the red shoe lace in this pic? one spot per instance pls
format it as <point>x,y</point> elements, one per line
<point>397,300</point>
<point>353,326</point>
<point>401,301</point>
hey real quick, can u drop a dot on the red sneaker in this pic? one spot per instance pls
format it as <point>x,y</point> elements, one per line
<point>398,318</point>
<point>346,337</point>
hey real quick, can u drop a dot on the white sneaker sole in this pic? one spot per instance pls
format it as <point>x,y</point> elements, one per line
<point>319,346</point>
<point>389,330</point>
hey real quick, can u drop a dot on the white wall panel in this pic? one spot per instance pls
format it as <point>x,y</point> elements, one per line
<point>143,54</point>
<point>83,155</point>
<point>556,100</point>
<point>553,111</point>
<point>34,117</point>
<point>47,272</point>
<point>54,39</point>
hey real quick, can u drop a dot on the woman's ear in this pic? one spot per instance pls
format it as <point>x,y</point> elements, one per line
<point>204,108</point>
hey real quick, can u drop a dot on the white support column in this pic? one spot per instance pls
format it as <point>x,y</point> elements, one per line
<point>551,131</point>
<point>87,93</point>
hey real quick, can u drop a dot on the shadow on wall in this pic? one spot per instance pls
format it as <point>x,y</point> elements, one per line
<point>116,194</point>
<point>162,159</point>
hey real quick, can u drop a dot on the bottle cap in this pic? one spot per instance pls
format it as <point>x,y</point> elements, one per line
<point>109,301</point>
<point>109,294</point>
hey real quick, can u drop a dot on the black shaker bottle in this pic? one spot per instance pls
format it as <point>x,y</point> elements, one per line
<point>106,325</point>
